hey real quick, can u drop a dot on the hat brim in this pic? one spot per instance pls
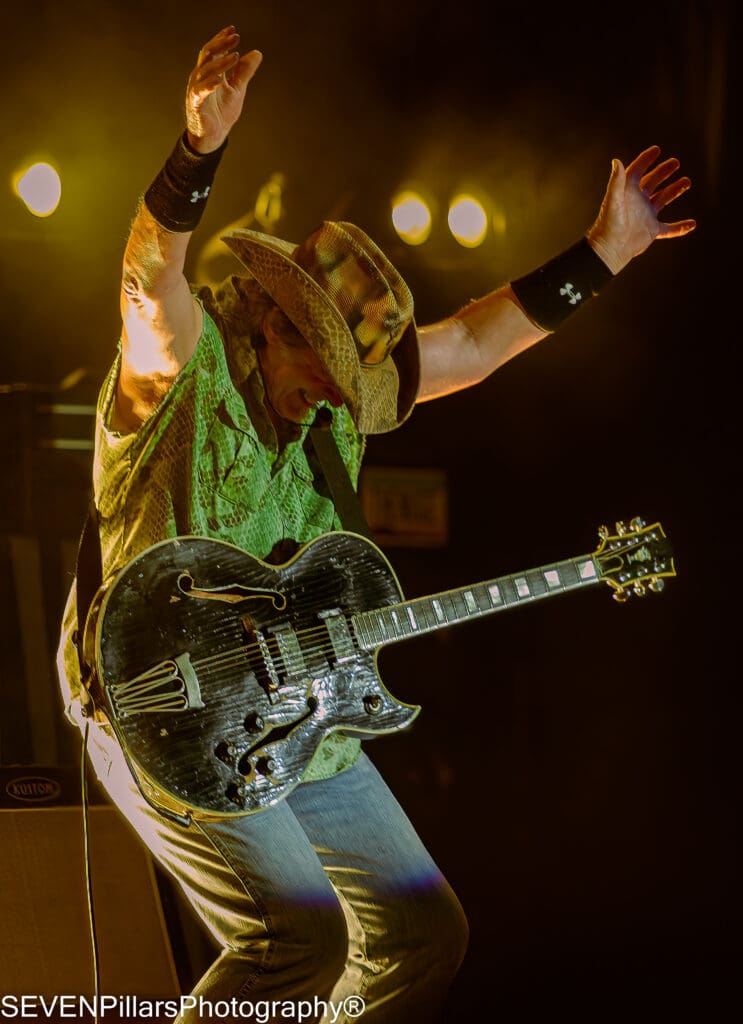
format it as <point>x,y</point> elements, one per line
<point>379,397</point>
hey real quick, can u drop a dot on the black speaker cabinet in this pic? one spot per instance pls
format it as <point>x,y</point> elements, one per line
<point>45,938</point>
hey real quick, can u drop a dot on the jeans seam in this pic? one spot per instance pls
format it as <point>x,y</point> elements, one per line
<point>260,968</point>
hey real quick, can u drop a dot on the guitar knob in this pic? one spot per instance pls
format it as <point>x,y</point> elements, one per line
<point>225,751</point>
<point>254,722</point>
<point>265,765</point>
<point>372,703</point>
<point>236,792</point>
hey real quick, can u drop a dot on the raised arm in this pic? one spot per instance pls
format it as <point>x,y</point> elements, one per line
<point>161,320</point>
<point>467,347</point>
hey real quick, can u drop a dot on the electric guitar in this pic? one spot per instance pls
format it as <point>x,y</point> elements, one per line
<point>221,674</point>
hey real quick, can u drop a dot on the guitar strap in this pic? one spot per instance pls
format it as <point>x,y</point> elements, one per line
<point>88,576</point>
<point>89,571</point>
<point>344,496</point>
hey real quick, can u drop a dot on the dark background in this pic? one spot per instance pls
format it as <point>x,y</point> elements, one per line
<point>573,769</point>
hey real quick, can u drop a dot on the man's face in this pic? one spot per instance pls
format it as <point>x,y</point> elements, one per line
<point>294,377</point>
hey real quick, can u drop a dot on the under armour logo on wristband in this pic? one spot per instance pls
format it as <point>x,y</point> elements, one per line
<point>553,292</point>
<point>176,198</point>
<point>575,297</point>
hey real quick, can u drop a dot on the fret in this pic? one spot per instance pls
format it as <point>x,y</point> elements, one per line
<point>508,591</point>
<point>458,604</point>
<point>422,615</point>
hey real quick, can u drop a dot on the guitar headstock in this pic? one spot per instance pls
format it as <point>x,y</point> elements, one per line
<point>635,559</point>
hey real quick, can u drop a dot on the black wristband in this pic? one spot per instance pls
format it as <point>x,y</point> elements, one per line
<point>177,196</point>
<point>550,294</point>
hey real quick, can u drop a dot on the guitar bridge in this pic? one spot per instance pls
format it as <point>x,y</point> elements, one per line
<point>168,686</point>
<point>279,656</point>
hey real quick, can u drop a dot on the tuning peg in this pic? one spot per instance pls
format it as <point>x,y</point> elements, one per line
<point>639,588</point>
<point>603,532</point>
<point>621,528</point>
<point>637,524</point>
<point>657,584</point>
<point>620,595</point>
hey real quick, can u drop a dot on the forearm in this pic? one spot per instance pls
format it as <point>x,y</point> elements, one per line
<point>154,257</point>
<point>160,320</point>
<point>466,348</point>
<point>469,346</point>
<point>488,332</point>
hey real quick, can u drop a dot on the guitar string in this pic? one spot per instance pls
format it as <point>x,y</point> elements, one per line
<point>226,659</point>
<point>235,656</point>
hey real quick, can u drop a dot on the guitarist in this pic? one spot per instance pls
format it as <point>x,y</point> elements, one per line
<point>201,429</point>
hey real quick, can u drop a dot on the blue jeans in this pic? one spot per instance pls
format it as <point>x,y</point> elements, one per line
<point>327,899</point>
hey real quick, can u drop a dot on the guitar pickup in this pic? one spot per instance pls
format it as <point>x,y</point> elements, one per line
<point>339,633</point>
<point>290,652</point>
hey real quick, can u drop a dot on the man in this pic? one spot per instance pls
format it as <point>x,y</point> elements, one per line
<point>202,430</point>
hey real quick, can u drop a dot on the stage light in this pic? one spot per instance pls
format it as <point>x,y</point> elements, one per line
<point>467,220</point>
<point>411,217</point>
<point>40,189</point>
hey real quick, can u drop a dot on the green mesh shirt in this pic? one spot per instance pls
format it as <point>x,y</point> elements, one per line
<point>208,462</point>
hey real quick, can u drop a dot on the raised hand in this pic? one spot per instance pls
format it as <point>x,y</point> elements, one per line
<point>628,221</point>
<point>216,90</point>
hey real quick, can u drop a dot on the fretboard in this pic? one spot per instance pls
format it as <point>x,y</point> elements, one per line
<point>425,614</point>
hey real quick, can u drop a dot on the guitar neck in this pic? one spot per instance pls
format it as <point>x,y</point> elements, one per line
<point>395,622</point>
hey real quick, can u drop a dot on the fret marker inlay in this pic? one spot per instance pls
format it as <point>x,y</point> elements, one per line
<point>586,570</point>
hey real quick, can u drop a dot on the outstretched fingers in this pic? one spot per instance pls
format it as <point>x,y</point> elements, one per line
<point>669,193</point>
<point>219,45</point>
<point>658,190</point>
<point>655,177</point>
<point>676,229</point>
<point>209,76</point>
<point>642,162</point>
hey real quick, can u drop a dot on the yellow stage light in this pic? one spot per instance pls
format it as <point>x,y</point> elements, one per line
<point>40,189</point>
<point>467,220</point>
<point>411,217</point>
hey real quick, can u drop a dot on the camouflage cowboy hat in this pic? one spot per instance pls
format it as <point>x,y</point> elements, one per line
<point>351,306</point>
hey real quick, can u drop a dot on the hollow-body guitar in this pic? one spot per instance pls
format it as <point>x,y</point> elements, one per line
<point>221,674</point>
